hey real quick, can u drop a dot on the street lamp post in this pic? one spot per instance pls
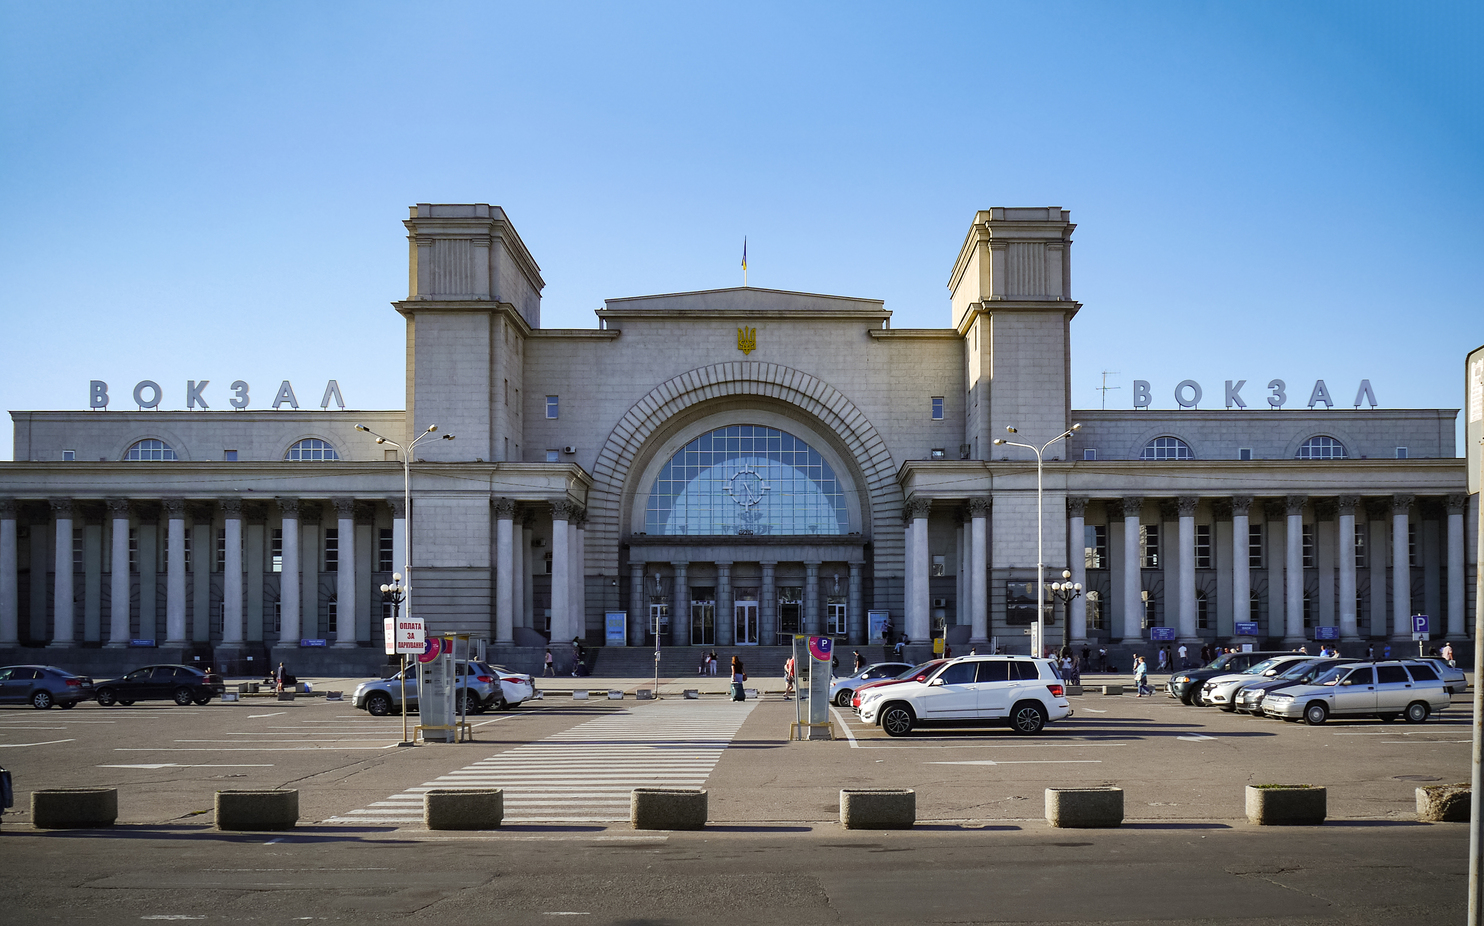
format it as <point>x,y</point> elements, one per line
<point>1065,591</point>
<point>659,591</point>
<point>1039,633</point>
<point>395,594</point>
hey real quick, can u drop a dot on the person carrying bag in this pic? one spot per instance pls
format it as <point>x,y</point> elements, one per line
<point>738,677</point>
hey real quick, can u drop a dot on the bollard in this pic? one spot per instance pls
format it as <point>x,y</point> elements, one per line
<point>1445,803</point>
<point>1072,691</point>
<point>1285,805</point>
<point>463,809</point>
<point>334,696</point>
<point>1112,689</point>
<point>692,694</point>
<point>579,694</point>
<point>749,694</point>
<point>74,808</point>
<point>644,694</point>
<point>615,695</point>
<point>1084,808</point>
<point>285,696</point>
<point>257,810</point>
<point>667,808</point>
<point>877,809</point>
<point>228,696</point>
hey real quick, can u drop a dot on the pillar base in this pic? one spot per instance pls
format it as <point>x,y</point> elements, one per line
<point>62,644</point>
<point>109,645</point>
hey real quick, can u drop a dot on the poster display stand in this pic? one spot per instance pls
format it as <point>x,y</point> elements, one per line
<point>813,657</point>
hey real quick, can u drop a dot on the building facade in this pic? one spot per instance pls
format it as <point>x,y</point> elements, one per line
<point>728,468</point>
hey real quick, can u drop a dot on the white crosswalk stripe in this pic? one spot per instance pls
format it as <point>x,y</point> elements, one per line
<point>585,774</point>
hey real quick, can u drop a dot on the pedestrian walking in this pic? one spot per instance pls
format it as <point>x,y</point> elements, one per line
<point>860,661</point>
<point>1386,651</point>
<point>549,665</point>
<point>788,679</point>
<point>1183,651</point>
<point>1163,659</point>
<point>1447,654</point>
<point>738,677</point>
<point>713,663</point>
<point>1102,659</point>
<point>1086,658</point>
<point>1370,652</point>
<point>278,678</point>
<point>886,631</point>
<point>1141,678</point>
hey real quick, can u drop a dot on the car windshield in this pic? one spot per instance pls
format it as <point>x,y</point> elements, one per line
<point>1331,676</point>
<point>1222,661</point>
<point>1300,669</point>
<point>1263,666</point>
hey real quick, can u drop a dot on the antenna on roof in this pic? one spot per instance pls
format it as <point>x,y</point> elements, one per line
<point>1105,388</point>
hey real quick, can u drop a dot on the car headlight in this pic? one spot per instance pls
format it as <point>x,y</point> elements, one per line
<point>1182,678</point>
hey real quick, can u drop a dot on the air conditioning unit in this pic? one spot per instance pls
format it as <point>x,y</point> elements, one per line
<point>940,602</point>
<point>569,449</point>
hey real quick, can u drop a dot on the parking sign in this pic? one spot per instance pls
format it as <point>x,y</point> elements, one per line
<point>1420,623</point>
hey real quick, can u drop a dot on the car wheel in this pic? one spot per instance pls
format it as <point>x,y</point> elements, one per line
<point>106,697</point>
<point>41,700</point>
<point>378,705</point>
<point>502,705</point>
<point>1187,700</point>
<point>1028,717</point>
<point>465,703</point>
<point>183,696</point>
<point>126,701</point>
<point>897,720</point>
<point>67,706</point>
<point>203,700</point>
<point>1315,714</point>
<point>1417,712</point>
<point>843,698</point>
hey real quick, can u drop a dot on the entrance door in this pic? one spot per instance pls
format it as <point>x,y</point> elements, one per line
<point>703,620</point>
<point>835,618</point>
<point>745,617</point>
<point>790,613</point>
<point>659,621</point>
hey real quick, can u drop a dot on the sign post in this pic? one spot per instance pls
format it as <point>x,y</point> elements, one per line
<point>1420,631</point>
<point>1473,440</point>
<point>404,637</point>
<point>812,655</point>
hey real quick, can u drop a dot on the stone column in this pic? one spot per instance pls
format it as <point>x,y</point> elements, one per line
<point>577,597</point>
<point>1275,552</point>
<point>10,595</point>
<point>726,626</point>
<point>857,624</point>
<point>1345,553</point>
<point>1293,570</point>
<point>680,609</point>
<point>288,577</point>
<point>175,572</point>
<point>919,611</point>
<point>811,600</point>
<point>345,572</point>
<point>504,572</point>
<point>979,569</point>
<point>638,606</point>
<point>1133,604</point>
<point>561,578</point>
<point>1076,611</point>
<point>63,618</point>
<point>1376,560</point>
<point>529,561</point>
<point>1457,566</point>
<point>1241,560</point>
<point>963,537</point>
<point>232,574</point>
<point>519,572</point>
<point>118,579</point>
<point>909,575</point>
<point>1401,570</point>
<point>1186,507</point>
<point>767,608</point>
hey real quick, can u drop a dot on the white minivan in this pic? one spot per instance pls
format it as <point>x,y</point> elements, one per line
<point>1409,689</point>
<point>1018,691</point>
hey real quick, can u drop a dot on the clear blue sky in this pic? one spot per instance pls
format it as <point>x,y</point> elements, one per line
<point>214,190</point>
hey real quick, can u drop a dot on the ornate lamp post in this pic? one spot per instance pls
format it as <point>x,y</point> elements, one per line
<point>395,594</point>
<point>659,592</point>
<point>1039,634</point>
<point>1064,591</point>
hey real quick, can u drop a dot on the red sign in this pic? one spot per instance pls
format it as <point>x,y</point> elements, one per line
<point>431,649</point>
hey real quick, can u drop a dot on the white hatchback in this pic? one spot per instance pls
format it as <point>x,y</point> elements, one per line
<point>1018,691</point>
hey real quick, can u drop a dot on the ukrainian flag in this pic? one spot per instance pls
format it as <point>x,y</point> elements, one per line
<point>744,252</point>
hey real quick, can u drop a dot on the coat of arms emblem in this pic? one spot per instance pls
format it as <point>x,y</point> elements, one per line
<point>746,340</point>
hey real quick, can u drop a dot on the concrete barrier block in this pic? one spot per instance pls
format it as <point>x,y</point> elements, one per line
<point>229,696</point>
<point>1285,805</point>
<point>877,809</point>
<point>749,694</point>
<point>580,694</point>
<point>538,695</point>
<point>1112,689</point>
<point>463,809</point>
<point>334,696</point>
<point>257,810</point>
<point>692,694</point>
<point>644,694</point>
<point>1084,808</point>
<point>1073,690</point>
<point>667,809</point>
<point>286,696</point>
<point>74,808</point>
<point>615,695</point>
<point>1445,803</point>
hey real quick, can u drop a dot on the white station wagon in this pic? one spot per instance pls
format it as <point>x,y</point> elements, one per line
<point>1384,689</point>
<point>1021,692</point>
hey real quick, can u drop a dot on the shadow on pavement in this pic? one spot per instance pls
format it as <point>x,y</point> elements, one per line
<point>299,834</point>
<point>755,828</point>
<point>1175,826</point>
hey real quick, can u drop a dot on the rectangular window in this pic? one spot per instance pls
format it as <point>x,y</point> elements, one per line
<point>1308,545</point>
<point>1202,611</point>
<point>836,618</point>
<point>548,564</point>
<point>1094,611</point>
<point>1254,546</point>
<point>507,392</point>
<point>1149,545</point>
<point>1411,544</point>
<point>940,566</point>
<point>1361,532</point>
<point>552,406</point>
<point>275,549</point>
<point>937,408</point>
<point>1151,611</point>
<point>384,551</point>
<point>1203,547</point>
<point>187,551</point>
<point>221,549</point>
<point>218,617</point>
<point>229,455</point>
<point>69,456</point>
<point>330,615</point>
<point>277,618</point>
<point>1308,610</point>
<point>1095,546</point>
<point>332,549</point>
<point>1244,454</point>
<point>938,453</point>
<point>1401,453</point>
<point>133,550</point>
<point>1089,454</point>
<point>389,456</point>
<point>553,456</point>
<point>77,551</point>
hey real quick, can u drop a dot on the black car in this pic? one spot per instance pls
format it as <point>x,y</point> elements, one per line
<point>1186,684</point>
<point>181,684</point>
<point>43,686</point>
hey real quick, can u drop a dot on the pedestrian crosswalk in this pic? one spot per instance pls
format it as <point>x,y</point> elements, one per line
<point>585,774</point>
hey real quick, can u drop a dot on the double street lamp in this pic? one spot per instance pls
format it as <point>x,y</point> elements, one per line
<point>1038,633</point>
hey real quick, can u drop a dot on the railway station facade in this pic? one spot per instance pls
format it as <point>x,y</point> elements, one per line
<point>732,467</point>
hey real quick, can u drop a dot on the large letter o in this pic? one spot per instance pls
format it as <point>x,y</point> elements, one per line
<point>1195,389</point>
<point>139,394</point>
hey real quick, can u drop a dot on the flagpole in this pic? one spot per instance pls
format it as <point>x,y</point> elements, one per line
<point>744,261</point>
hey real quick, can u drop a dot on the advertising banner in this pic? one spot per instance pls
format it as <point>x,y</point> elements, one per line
<point>615,627</point>
<point>1246,628</point>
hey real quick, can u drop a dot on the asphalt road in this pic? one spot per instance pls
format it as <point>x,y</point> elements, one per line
<point>981,852</point>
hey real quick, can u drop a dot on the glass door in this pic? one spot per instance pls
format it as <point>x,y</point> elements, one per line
<point>703,617</point>
<point>790,613</point>
<point>745,615</point>
<point>835,618</point>
<point>659,621</point>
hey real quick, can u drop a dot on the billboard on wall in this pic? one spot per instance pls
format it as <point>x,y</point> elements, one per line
<point>1473,420</point>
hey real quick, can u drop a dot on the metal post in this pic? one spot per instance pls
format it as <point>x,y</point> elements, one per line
<point>1476,883</point>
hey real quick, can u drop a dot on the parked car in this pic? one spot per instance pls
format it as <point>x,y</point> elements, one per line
<point>482,687</point>
<point>181,684</point>
<point>43,686</point>
<point>1018,691</point>
<point>916,673</point>
<point>1248,698</point>
<point>1218,690</point>
<point>843,688</point>
<point>1186,684</point>
<point>1453,677</point>
<point>1384,689</point>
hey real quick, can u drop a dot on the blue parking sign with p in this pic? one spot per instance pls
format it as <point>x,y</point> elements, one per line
<point>1419,623</point>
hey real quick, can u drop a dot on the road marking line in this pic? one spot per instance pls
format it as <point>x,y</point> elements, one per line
<point>47,743</point>
<point>1023,762</point>
<point>1195,737</point>
<point>274,714</point>
<point>160,765</point>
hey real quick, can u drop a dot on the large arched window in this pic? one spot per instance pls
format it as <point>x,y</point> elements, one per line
<point>1322,447</point>
<point>1166,448</point>
<point>746,479</point>
<point>311,448</point>
<point>151,450</point>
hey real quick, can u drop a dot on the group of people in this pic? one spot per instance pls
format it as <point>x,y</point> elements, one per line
<point>708,664</point>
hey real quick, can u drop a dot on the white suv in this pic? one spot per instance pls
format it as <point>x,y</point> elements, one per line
<point>1019,691</point>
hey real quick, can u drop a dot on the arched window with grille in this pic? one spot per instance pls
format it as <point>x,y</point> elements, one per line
<point>1321,447</point>
<point>1167,448</point>
<point>150,450</point>
<point>311,448</point>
